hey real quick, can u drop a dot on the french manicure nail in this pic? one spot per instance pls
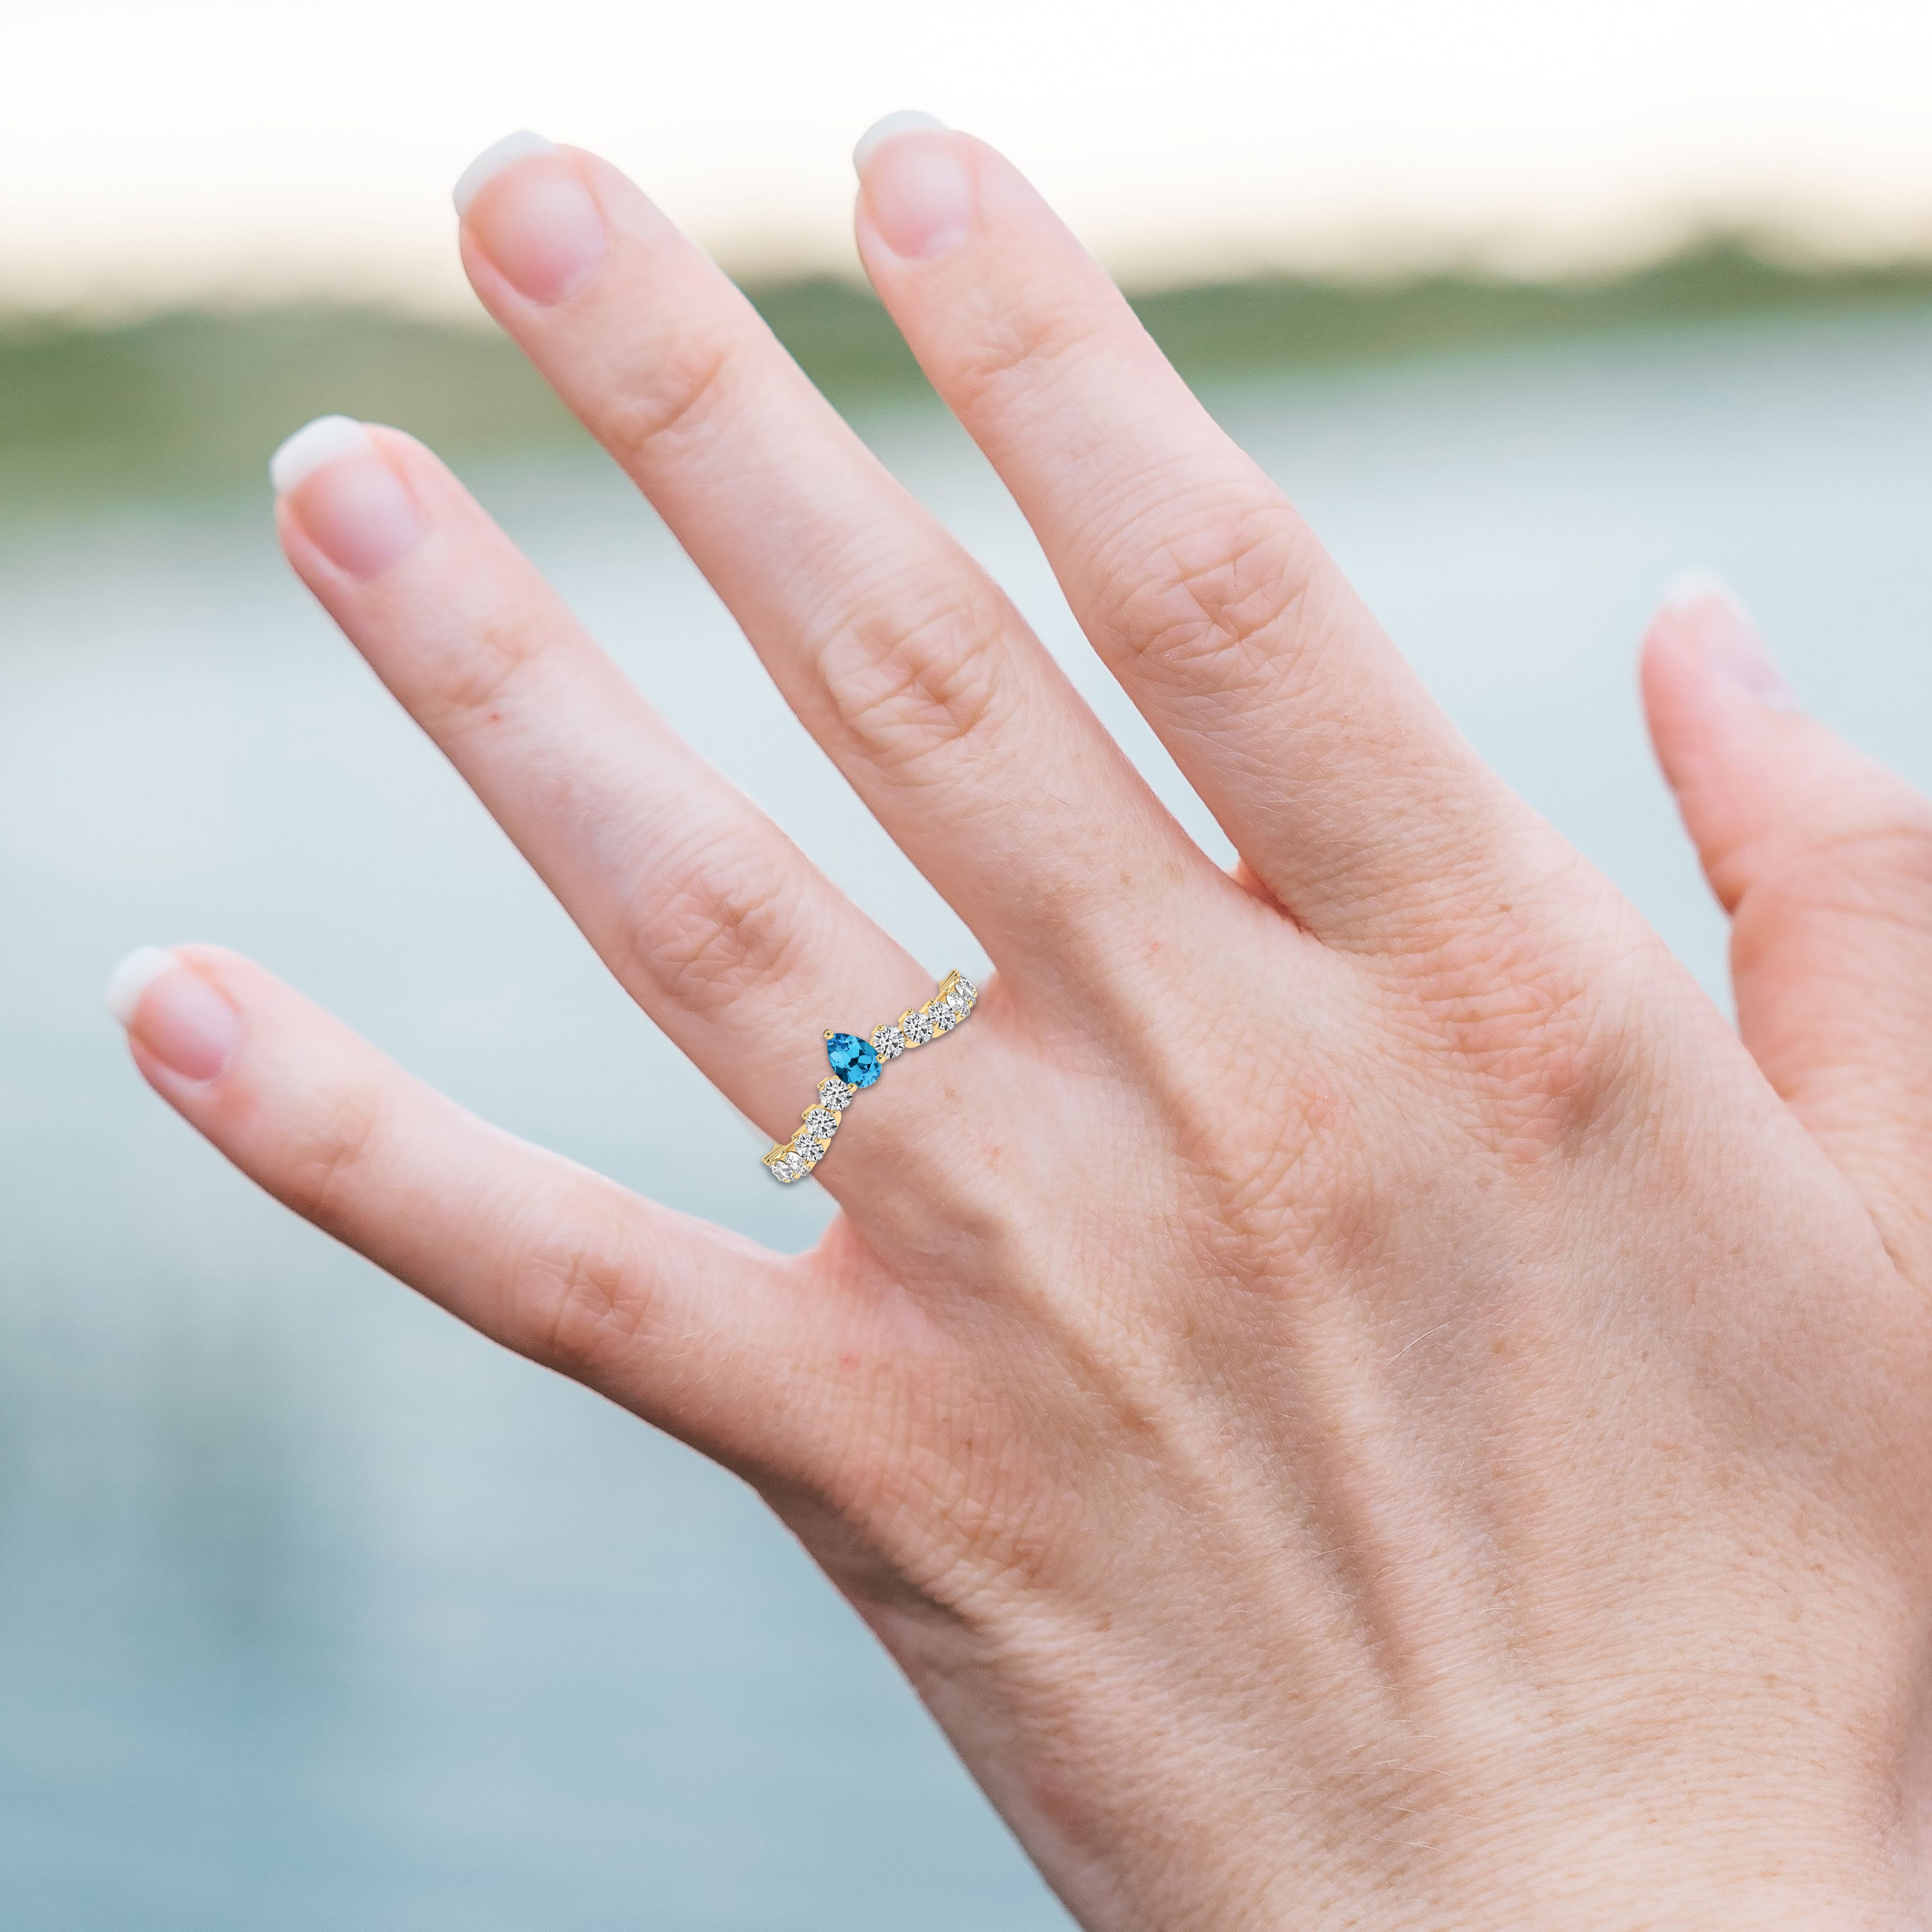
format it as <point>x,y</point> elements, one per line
<point>538,223</point>
<point>1733,649</point>
<point>492,160</point>
<point>907,121</point>
<point>917,185</point>
<point>173,1012</point>
<point>353,506</point>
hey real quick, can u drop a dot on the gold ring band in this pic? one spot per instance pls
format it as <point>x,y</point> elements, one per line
<point>856,1064</point>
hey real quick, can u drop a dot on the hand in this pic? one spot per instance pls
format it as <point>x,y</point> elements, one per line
<point>1353,1396</point>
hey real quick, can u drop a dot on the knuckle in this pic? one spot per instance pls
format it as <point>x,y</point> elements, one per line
<point>687,384</point>
<point>1280,1187</point>
<point>1223,600</point>
<point>720,927</point>
<point>477,679</point>
<point>576,1300</point>
<point>1527,1013</point>
<point>912,671</point>
<point>1019,348</point>
<point>330,1150</point>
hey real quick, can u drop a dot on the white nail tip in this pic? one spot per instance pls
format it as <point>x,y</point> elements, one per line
<point>133,976</point>
<point>312,446</point>
<point>492,160</point>
<point>907,121</point>
<point>1688,588</point>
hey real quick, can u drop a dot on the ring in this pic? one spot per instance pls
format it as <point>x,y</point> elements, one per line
<point>857,1063</point>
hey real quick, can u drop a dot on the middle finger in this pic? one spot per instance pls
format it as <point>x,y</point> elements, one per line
<point>1334,774</point>
<point>902,657</point>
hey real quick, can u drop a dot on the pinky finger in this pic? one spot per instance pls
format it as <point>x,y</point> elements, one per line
<point>695,1329</point>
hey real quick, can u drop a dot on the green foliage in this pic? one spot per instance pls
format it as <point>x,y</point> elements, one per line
<point>195,402</point>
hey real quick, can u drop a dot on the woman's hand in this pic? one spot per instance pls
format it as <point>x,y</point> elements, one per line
<point>1356,1401</point>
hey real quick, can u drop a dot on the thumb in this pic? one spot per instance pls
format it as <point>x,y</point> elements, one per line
<point>1823,859</point>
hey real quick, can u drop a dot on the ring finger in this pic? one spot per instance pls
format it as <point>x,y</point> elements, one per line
<point>716,924</point>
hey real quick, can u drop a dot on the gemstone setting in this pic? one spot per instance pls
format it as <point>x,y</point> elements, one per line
<point>852,1060</point>
<point>856,1064</point>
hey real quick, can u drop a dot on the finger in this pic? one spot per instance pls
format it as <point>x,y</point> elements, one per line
<point>1824,860</point>
<point>739,947</point>
<point>1335,775</point>
<point>704,1333</point>
<point>902,657</point>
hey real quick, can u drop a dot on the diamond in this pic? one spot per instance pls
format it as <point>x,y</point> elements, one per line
<point>835,1093</point>
<point>942,1015</point>
<point>821,1122</point>
<point>889,1042</point>
<point>916,1026</point>
<point>852,1060</point>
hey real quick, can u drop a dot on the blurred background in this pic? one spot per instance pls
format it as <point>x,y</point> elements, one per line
<point>316,1611</point>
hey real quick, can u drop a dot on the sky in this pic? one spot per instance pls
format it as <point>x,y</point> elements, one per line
<point>234,150</point>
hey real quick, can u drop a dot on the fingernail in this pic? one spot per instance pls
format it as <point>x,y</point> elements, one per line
<point>492,160</point>
<point>907,121</point>
<point>916,184</point>
<point>353,504</point>
<point>1733,649</point>
<point>537,222</point>
<point>173,1012</point>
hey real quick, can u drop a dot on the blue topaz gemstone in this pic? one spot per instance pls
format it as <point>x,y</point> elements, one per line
<point>852,1060</point>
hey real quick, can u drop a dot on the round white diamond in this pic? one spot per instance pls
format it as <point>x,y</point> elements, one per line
<point>944,1019</point>
<point>889,1042</point>
<point>835,1093</point>
<point>917,1028</point>
<point>822,1122</point>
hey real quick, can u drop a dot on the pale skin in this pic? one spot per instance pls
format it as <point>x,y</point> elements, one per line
<point>1416,1422</point>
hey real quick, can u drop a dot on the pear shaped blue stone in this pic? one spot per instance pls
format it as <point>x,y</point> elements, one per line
<point>852,1059</point>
